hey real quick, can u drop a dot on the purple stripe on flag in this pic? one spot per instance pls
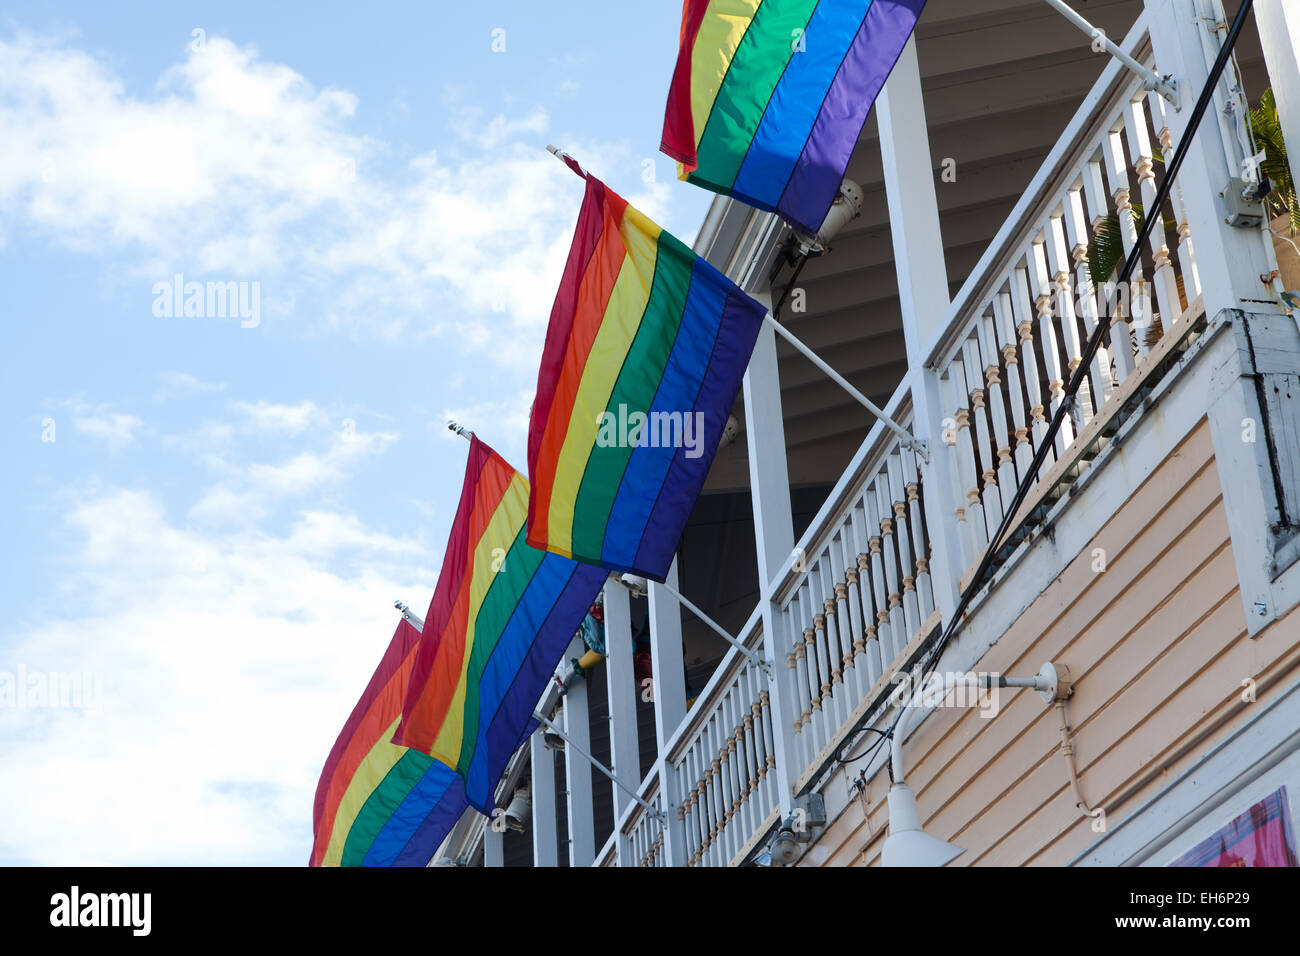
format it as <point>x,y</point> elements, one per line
<point>875,50</point>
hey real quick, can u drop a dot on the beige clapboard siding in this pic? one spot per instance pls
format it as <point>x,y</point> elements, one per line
<point>1158,646</point>
<point>1206,710</point>
<point>1135,728</point>
<point>1139,671</point>
<point>1272,655</point>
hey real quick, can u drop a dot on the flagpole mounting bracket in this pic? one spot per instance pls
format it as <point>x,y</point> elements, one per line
<point>411,617</point>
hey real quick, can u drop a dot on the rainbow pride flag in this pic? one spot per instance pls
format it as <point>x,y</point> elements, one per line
<point>644,355</point>
<point>769,96</point>
<point>378,804</point>
<point>501,616</point>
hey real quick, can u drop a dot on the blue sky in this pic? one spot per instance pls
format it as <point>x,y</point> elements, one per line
<point>213,519</point>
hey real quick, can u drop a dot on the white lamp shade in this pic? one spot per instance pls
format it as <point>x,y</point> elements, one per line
<point>635,583</point>
<point>845,208</point>
<point>907,844</point>
<point>520,810</point>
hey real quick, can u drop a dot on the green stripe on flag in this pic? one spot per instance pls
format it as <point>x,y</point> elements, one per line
<point>751,78</point>
<point>635,387</point>
<point>509,583</point>
<point>382,804</point>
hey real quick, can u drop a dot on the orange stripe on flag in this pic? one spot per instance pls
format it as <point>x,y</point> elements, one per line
<point>426,718</point>
<point>593,295</point>
<point>377,719</point>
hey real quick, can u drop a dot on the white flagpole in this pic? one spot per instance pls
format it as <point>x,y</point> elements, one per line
<point>411,617</point>
<point>907,440</point>
<point>1150,79</point>
<point>653,811</point>
<point>564,157</point>
<point>637,586</point>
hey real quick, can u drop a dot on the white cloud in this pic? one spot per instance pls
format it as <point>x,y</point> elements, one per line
<point>489,133</point>
<point>228,665</point>
<point>236,166</point>
<point>115,429</point>
<point>247,491</point>
<point>325,533</point>
<point>224,134</point>
<point>182,385</point>
<point>279,419</point>
<point>273,421</point>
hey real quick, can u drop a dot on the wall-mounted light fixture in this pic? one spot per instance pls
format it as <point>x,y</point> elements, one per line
<point>907,843</point>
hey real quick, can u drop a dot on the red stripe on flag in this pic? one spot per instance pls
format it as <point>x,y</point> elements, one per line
<point>679,125</point>
<point>429,693</point>
<point>364,727</point>
<point>575,318</point>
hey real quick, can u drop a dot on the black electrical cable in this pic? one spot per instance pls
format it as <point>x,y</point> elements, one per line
<point>803,261</point>
<point>1080,373</point>
<point>839,751</point>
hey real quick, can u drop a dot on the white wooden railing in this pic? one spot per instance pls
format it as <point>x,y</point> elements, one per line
<point>856,596</point>
<point>1017,332</point>
<point>645,833</point>
<point>859,592</point>
<point>720,762</point>
<point>723,763</point>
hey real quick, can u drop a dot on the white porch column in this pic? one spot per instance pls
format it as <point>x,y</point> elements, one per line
<point>577,770</point>
<point>669,697</point>
<point>1279,33</point>
<point>923,296</point>
<point>620,683</point>
<point>666,654</point>
<point>1229,261</point>
<point>546,841</point>
<point>493,847</point>
<point>769,486</point>
<point>913,202</point>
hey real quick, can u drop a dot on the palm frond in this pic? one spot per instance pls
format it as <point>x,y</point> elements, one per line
<point>1106,248</point>
<point>1267,130</point>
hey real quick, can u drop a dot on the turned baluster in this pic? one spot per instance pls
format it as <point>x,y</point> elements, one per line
<point>1076,228</point>
<point>903,541</point>
<point>1061,263</point>
<point>961,522</point>
<point>1022,307</point>
<point>1006,338</point>
<point>912,488</point>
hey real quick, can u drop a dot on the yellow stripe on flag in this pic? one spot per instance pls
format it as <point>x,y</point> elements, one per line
<point>370,774</point>
<point>721,31</point>
<point>500,532</point>
<point>623,312</point>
